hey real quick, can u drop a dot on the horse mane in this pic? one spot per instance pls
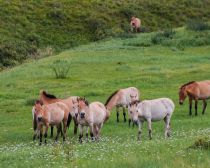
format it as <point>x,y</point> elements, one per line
<point>111,97</point>
<point>135,102</point>
<point>49,95</point>
<point>187,84</point>
<point>84,100</point>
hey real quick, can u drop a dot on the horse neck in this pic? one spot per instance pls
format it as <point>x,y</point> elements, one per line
<point>47,100</point>
<point>112,102</point>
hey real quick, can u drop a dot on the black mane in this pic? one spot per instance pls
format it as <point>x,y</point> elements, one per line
<point>111,97</point>
<point>187,84</point>
<point>49,95</point>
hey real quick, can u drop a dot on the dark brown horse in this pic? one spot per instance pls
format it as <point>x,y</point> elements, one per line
<point>195,91</point>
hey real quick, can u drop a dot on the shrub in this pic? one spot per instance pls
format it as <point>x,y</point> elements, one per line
<point>197,25</point>
<point>60,68</point>
<point>158,38</point>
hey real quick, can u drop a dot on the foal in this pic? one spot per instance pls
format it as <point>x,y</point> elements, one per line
<point>152,110</point>
<point>51,115</point>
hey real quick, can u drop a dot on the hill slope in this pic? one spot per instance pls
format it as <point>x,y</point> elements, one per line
<point>36,28</point>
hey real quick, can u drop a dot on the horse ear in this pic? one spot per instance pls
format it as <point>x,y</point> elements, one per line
<point>78,98</point>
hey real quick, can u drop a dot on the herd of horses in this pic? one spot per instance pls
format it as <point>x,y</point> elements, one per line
<point>50,111</point>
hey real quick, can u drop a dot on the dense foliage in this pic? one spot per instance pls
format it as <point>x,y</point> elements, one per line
<point>28,27</point>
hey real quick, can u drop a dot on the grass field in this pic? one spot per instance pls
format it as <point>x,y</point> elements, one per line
<point>96,71</point>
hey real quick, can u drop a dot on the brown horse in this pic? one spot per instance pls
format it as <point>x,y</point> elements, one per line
<point>195,91</point>
<point>51,115</point>
<point>47,98</point>
<point>121,98</point>
<point>135,24</point>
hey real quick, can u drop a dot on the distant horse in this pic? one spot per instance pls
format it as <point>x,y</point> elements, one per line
<point>92,115</point>
<point>195,91</point>
<point>152,110</point>
<point>51,115</point>
<point>121,98</point>
<point>135,24</point>
<point>48,99</point>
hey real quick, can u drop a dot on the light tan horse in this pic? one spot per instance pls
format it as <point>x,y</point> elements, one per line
<point>47,98</point>
<point>135,24</point>
<point>121,98</point>
<point>51,115</point>
<point>152,110</point>
<point>92,115</point>
<point>195,90</point>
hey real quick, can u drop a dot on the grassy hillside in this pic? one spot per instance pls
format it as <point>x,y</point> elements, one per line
<point>96,71</point>
<point>37,28</point>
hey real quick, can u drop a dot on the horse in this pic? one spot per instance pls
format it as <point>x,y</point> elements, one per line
<point>51,115</point>
<point>135,24</point>
<point>152,110</point>
<point>195,90</point>
<point>121,98</point>
<point>91,115</point>
<point>47,98</point>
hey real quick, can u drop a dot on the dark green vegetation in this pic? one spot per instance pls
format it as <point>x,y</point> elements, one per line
<point>96,71</point>
<point>34,29</point>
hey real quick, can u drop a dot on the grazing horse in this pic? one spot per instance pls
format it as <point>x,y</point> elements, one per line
<point>48,99</point>
<point>152,110</point>
<point>51,115</point>
<point>195,91</point>
<point>121,98</point>
<point>91,115</point>
<point>135,24</point>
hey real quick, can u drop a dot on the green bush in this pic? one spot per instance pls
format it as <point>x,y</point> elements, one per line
<point>158,38</point>
<point>197,25</point>
<point>60,68</point>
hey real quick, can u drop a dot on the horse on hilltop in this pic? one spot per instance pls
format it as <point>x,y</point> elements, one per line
<point>195,90</point>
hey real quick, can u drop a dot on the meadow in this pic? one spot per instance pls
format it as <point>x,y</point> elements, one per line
<point>97,70</point>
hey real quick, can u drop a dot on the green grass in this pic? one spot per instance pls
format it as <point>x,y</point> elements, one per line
<point>96,71</point>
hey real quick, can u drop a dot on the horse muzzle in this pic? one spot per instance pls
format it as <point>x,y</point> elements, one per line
<point>82,115</point>
<point>181,103</point>
<point>39,119</point>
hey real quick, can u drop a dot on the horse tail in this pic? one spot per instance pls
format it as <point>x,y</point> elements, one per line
<point>69,120</point>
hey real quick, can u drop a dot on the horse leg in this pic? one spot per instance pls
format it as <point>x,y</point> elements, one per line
<point>80,133</point>
<point>51,133</point>
<point>190,106</point>
<point>204,106</point>
<point>140,124</point>
<point>64,129</point>
<point>99,129</point>
<point>86,135</point>
<point>117,110</point>
<point>35,134</point>
<point>59,129</point>
<point>149,123</point>
<point>75,126</point>
<point>45,133</point>
<point>91,132</point>
<point>124,114</point>
<point>167,126</point>
<point>196,107</point>
<point>40,134</point>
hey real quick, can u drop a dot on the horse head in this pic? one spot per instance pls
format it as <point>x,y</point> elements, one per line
<point>83,106</point>
<point>182,95</point>
<point>38,110</point>
<point>133,111</point>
